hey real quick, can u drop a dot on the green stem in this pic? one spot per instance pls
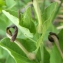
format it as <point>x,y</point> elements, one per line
<point>43,5</point>
<point>57,44</point>
<point>30,55</point>
<point>21,47</point>
<point>38,12</point>
<point>42,53</point>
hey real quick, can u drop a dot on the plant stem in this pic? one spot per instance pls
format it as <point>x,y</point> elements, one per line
<point>38,12</point>
<point>21,47</point>
<point>57,44</point>
<point>30,55</point>
<point>42,53</point>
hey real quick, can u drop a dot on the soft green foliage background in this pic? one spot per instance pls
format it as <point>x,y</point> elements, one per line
<point>27,23</point>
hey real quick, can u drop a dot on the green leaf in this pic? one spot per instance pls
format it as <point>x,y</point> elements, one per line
<point>13,12</point>
<point>49,15</point>
<point>17,54</point>
<point>15,20</point>
<point>50,12</point>
<point>55,56</point>
<point>10,3</point>
<point>10,60</point>
<point>3,54</point>
<point>3,22</point>
<point>28,44</point>
<point>60,35</point>
<point>26,1</point>
<point>19,4</point>
<point>27,20</point>
<point>2,60</point>
<point>45,56</point>
<point>2,2</point>
<point>5,57</point>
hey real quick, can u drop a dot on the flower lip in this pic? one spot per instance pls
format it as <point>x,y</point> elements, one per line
<point>50,38</point>
<point>14,35</point>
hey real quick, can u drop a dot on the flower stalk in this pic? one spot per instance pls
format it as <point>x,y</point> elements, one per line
<point>54,38</point>
<point>38,12</point>
<point>13,36</point>
<point>57,44</point>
